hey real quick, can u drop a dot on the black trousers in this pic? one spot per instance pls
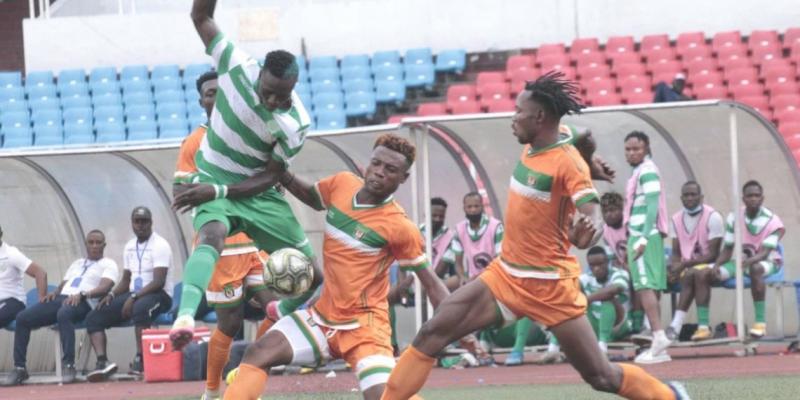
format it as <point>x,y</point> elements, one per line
<point>46,314</point>
<point>9,308</point>
<point>145,310</point>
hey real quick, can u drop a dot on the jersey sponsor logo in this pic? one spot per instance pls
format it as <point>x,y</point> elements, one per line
<point>481,260</point>
<point>531,180</point>
<point>358,233</point>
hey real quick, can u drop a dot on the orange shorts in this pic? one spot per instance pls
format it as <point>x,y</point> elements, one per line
<point>233,275</point>
<point>547,301</point>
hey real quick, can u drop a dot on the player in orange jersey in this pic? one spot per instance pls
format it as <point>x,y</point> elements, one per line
<point>238,274</point>
<point>365,231</point>
<point>535,276</point>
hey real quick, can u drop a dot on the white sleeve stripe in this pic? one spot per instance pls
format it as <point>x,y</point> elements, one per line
<point>581,193</point>
<point>651,187</point>
<point>408,262</point>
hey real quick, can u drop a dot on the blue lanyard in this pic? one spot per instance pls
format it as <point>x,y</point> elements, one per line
<point>86,265</point>
<point>139,255</point>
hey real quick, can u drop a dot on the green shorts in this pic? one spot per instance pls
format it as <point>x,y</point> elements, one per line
<point>267,218</point>
<point>648,271</point>
<point>728,270</point>
<point>619,332</point>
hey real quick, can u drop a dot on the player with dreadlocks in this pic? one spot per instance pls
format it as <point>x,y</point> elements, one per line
<point>535,276</point>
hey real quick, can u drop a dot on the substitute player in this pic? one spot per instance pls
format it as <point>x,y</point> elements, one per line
<point>535,276</point>
<point>366,230</point>
<point>257,126</point>
<point>239,272</point>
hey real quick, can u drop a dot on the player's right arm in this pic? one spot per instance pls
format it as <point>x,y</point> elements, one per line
<point>203,18</point>
<point>304,191</point>
<point>40,276</point>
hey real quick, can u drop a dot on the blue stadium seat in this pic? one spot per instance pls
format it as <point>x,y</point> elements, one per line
<point>78,89</point>
<point>109,128</point>
<point>107,99</point>
<point>138,86</point>
<point>195,111</point>
<point>110,137</point>
<point>301,61</point>
<point>173,134</point>
<point>45,130</point>
<point>140,112</point>
<point>169,96</point>
<point>45,103</point>
<point>330,120</point>
<point>134,73</point>
<point>390,92</point>
<point>355,60</point>
<point>356,72</point>
<point>385,59</point>
<point>17,141</point>
<point>420,56</point>
<point>15,119</point>
<point>76,133</point>
<point>16,131</point>
<point>195,70</point>
<point>103,74</point>
<point>360,104</point>
<point>142,127</point>
<point>328,101</point>
<point>306,99</point>
<point>78,116</point>
<point>167,84</point>
<point>10,79</point>
<point>142,135</point>
<point>103,87</point>
<point>326,87</point>
<point>71,77</point>
<point>358,86</point>
<point>173,125</point>
<point>197,120</point>
<point>171,111</point>
<point>48,140</point>
<point>137,98</point>
<point>321,75</point>
<point>79,139</point>
<point>42,92</point>
<point>420,75</point>
<point>13,105</point>
<point>302,76</point>
<point>108,114</point>
<point>46,117</point>
<point>166,72</point>
<point>76,102</point>
<point>39,78</point>
<point>302,87</point>
<point>12,93</point>
<point>389,73</point>
<point>322,62</point>
<point>451,61</point>
<point>191,94</point>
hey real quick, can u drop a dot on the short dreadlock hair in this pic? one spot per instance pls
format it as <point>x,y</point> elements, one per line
<point>398,144</point>
<point>611,199</point>
<point>438,201</point>
<point>281,64</point>
<point>207,76</point>
<point>556,94</point>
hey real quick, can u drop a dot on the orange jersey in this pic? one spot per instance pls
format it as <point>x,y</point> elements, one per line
<point>546,187</point>
<point>186,169</point>
<point>361,242</point>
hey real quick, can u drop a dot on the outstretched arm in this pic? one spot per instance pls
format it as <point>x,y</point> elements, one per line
<point>434,286</point>
<point>587,146</point>
<point>203,18</point>
<point>304,191</point>
<point>587,228</point>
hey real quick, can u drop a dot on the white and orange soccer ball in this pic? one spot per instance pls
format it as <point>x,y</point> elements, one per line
<point>288,272</point>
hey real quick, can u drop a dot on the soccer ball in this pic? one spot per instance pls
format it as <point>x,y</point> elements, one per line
<point>288,272</point>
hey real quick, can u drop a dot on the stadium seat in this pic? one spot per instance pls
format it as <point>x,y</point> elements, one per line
<point>360,105</point>
<point>701,80</point>
<point>789,129</point>
<point>787,116</point>
<point>454,60</point>
<point>744,90</point>
<point>760,103</point>
<point>550,49</point>
<point>397,118</point>
<point>700,67</point>
<point>39,78</point>
<point>168,96</point>
<point>390,92</point>
<point>626,70</point>
<point>46,117</point>
<point>741,76</point>
<point>385,59</point>
<point>77,90</point>
<point>663,55</point>
<point>603,86</point>
<point>431,109</point>
<point>785,102</point>
<point>549,62</point>
<point>777,89</point>
<point>193,71</point>
<point>355,60</point>
<point>16,132</point>
<point>778,74</point>
<point>17,141</point>
<point>109,114</point>
<point>364,85</point>
<point>134,73</point>
<point>172,134</point>
<point>173,124</point>
<point>420,75</point>
<point>604,99</point>
<point>583,46</point>
<point>569,72</point>
<point>137,98</point>
<point>761,54</point>
<point>42,129</point>
<point>667,67</point>
<point>635,84</point>
<point>110,137</point>
<point>78,116</point>
<point>328,101</point>
<point>15,118</point>
<point>356,72</point>
<point>689,40</point>
<point>108,99</point>
<point>696,53</point>
<point>195,113</point>
<point>489,77</point>
<point>465,107</point>
<point>48,140</point>
<point>590,59</point>
<point>103,74</point>
<point>136,86</point>
<point>141,112</point>
<point>520,61</point>
<point>140,126</point>
<point>13,105</point>
<point>165,72</point>
<point>71,77</point>
<point>320,75</point>
<point>616,45</point>
<point>326,87</point>
<point>10,79</point>
<point>331,120</point>
<point>588,72</point>
<point>503,105</point>
<point>104,87</point>
<point>42,92</point>
<point>12,94</point>
<point>461,92</point>
<point>520,77</point>
<point>392,72</point>
<point>167,84</point>
<point>726,39</point>
<point>637,98</point>
<point>419,56</point>
<point>708,93</point>
<point>171,111</point>
<point>142,135</point>
<point>762,38</point>
<point>78,133</point>
<point>323,62</point>
<point>733,61</point>
<point>652,43</point>
<point>492,92</point>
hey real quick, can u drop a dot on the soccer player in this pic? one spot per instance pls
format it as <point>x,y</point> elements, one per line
<point>615,235</point>
<point>238,274</point>
<point>698,231</point>
<point>256,128</point>
<point>365,231</point>
<point>646,219</point>
<point>760,241</point>
<point>443,258</point>
<point>535,276</point>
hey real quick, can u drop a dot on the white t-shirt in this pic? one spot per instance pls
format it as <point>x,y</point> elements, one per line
<point>85,275</point>
<point>142,258</point>
<point>12,265</point>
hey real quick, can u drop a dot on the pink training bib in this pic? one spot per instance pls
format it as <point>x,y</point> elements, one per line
<point>477,254</point>
<point>694,244</point>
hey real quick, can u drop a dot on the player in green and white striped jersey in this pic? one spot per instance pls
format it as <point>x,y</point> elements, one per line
<point>257,126</point>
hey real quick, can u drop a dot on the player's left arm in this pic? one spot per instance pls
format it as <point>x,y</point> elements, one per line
<point>408,250</point>
<point>304,191</point>
<point>586,228</point>
<point>605,294</point>
<point>586,145</point>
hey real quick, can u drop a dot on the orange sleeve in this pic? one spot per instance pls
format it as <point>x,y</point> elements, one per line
<point>408,247</point>
<point>577,179</point>
<point>186,168</point>
<point>325,187</point>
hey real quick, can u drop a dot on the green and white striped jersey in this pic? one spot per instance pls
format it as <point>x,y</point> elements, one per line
<point>242,134</point>
<point>616,277</point>
<point>649,183</point>
<point>754,226</point>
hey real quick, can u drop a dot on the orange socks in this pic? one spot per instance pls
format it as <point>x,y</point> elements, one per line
<point>409,375</point>
<point>263,327</point>
<point>219,348</point>
<point>637,384</point>
<point>248,384</point>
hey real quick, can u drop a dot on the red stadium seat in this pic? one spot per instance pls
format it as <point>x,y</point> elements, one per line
<point>762,39</point>
<point>790,37</point>
<point>714,92</point>
<point>701,67</point>
<point>465,107</point>
<point>584,46</point>
<point>759,55</point>
<point>741,90</point>
<point>460,92</point>
<point>794,54</point>
<point>741,76</point>
<point>551,49</point>
<point>635,84</point>
<point>486,77</point>
<point>431,109</point>
<point>589,59</point>
<point>520,61</point>
<point>760,103</point>
<point>520,76</point>
<point>787,116</point>
<point>651,43</point>
<point>625,58</point>
<point>689,40</point>
<point>778,74</point>
<point>728,55</point>
<point>777,89</point>
<point>789,129</point>
<point>666,77</point>
<point>638,98</point>
<point>703,79</point>
<point>734,63</point>
<point>569,72</point>
<point>792,141</point>
<point>504,105</point>
<point>396,119</point>
<point>594,71</point>
<point>493,91</point>
<point>785,102</point>
<point>604,98</point>
<point>607,85</point>
<point>620,44</point>
<point>722,40</point>
<point>672,67</point>
<point>665,54</point>
<point>553,61</point>
<point>626,70</point>
<point>776,63</point>
<point>696,53</point>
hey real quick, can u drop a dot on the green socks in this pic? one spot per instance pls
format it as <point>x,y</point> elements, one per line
<point>521,331</point>
<point>702,315</point>
<point>197,274</point>
<point>287,306</point>
<point>637,317</point>
<point>760,306</point>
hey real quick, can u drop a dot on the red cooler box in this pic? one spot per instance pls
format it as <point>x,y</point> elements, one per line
<point>161,363</point>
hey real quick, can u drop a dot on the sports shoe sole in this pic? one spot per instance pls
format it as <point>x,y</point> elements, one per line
<point>103,375</point>
<point>180,338</point>
<point>654,360</point>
